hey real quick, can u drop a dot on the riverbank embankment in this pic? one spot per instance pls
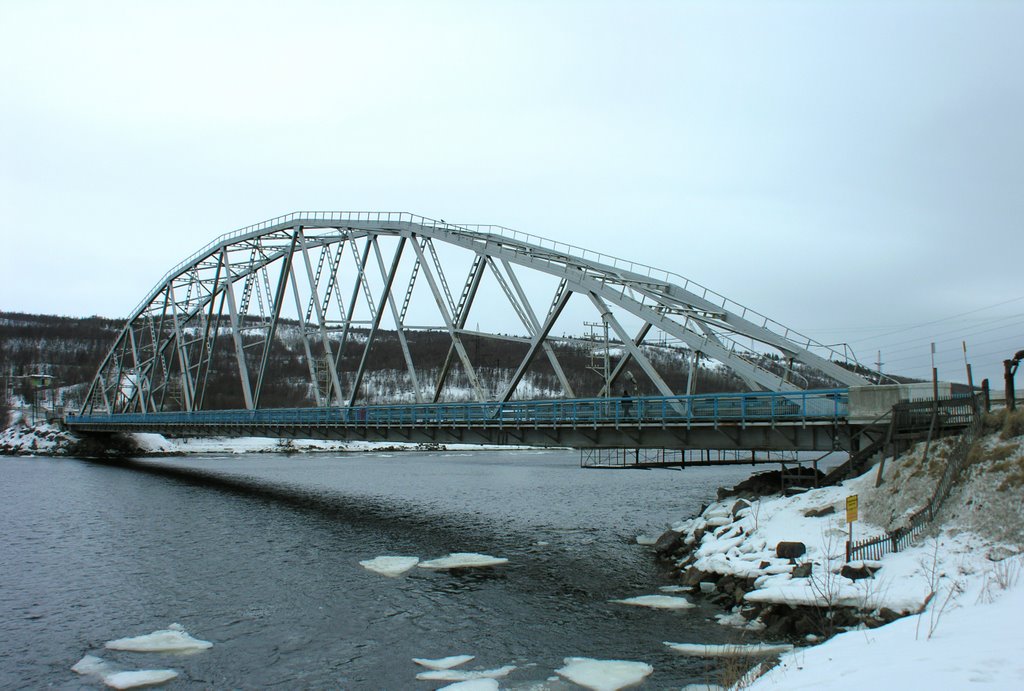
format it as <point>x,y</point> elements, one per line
<point>778,566</point>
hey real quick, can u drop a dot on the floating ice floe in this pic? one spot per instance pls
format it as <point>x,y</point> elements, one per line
<point>730,650</point>
<point>173,639</point>
<point>137,679</point>
<point>92,666</point>
<point>443,662</point>
<point>463,560</point>
<point>604,675</point>
<point>464,675</point>
<point>739,621</point>
<point>390,566</point>
<point>676,588</point>
<point>657,602</point>
<point>473,685</point>
<point>646,540</point>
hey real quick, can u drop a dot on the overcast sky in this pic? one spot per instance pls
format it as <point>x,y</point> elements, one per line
<point>854,170</point>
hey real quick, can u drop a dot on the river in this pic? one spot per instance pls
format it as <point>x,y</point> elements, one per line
<point>259,554</point>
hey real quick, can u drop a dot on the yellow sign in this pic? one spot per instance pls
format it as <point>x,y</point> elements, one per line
<point>851,508</point>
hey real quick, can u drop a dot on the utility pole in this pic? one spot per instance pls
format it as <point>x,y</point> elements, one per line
<point>970,377</point>
<point>604,369</point>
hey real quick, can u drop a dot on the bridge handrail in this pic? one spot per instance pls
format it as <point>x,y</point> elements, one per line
<point>368,216</point>
<point>667,277</point>
<point>815,405</point>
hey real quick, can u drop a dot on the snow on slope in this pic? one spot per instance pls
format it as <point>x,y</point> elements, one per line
<point>973,640</point>
<point>963,590</point>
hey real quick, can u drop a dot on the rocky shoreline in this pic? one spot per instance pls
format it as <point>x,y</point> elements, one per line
<point>730,590</point>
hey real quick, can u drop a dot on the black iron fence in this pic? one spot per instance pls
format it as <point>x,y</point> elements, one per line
<point>962,412</point>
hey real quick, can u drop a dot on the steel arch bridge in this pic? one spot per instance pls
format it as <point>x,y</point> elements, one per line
<point>336,282</point>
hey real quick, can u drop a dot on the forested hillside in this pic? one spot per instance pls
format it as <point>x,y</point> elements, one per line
<point>69,350</point>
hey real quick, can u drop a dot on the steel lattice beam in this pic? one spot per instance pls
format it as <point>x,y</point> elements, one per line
<point>217,315</point>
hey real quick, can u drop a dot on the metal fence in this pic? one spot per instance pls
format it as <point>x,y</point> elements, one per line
<point>959,411</point>
<point>828,405</point>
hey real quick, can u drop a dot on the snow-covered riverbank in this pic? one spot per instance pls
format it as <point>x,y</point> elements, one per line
<point>44,439</point>
<point>959,588</point>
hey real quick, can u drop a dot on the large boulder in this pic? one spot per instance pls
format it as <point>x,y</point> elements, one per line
<point>857,570</point>
<point>790,550</point>
<point>669,543</point>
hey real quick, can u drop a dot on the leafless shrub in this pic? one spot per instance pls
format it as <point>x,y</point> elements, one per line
<point>1004,575</point>
<point>943,592</point>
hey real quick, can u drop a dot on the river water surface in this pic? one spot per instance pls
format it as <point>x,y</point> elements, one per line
<point>260,554</point>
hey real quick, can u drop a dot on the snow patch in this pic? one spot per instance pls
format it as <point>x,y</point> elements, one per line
<point>460,675</point>
<point>443,662</point>
<point>657,602</point>
<point>463,560</point>
<point>173,639</point>
<point>974,641</point>
<point>90,665</point>
<point>144,677</point>
<point>97,667</point>
<point>474,685</point>
<point>390,566</point>
<point>604,675</point>
<point>730,650</point>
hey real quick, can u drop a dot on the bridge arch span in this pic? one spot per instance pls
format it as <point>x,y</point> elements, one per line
<point>298,310</point>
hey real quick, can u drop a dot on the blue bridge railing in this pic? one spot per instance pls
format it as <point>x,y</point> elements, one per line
<point>827,405</point>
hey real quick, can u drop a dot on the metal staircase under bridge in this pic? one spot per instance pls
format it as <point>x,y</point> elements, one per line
<point>888,435</point>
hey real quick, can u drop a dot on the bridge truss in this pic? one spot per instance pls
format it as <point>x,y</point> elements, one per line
<point>331,286</point>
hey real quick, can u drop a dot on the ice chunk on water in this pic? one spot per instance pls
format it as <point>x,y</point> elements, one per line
<point>93,666</point>
<point>390,566</point>
<point>173,639</point>
<point>463,560</point>
<point>657,602</point>
<point>646,540</point>
<point>134,680</point>
<point>604,675</point>
<point>443,662</point>
<point>730,650</point>
<point>461,675</point>
<point>473,685</point>
<point>676,588</point>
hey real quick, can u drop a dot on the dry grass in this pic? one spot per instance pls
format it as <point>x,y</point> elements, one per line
<point>741,671</point>
<point>1015,476</point>
<point>992,421</point>
<point>1001,452</point>
<point>1013,424</point>
<point>1008,424</point>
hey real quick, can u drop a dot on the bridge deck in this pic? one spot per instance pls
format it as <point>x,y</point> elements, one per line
<point>797,420</point>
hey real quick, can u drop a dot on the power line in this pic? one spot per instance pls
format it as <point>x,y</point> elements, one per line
<point>944,319</point>
<point>959,337</point>
<point>959,353</point>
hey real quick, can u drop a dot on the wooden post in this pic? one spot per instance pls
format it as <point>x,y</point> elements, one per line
<point>1011,402</point>
<point>970,379</point>
<point>986,397</point>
